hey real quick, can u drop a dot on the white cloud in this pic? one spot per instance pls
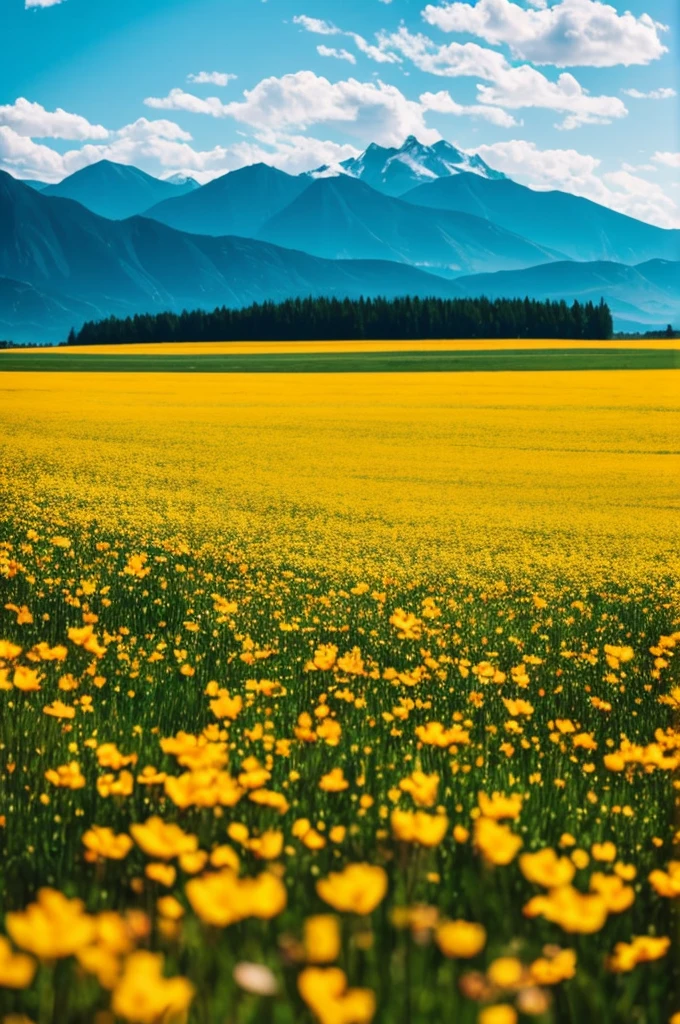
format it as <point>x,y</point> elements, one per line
<point>331,51</point>
<point>160,148</point>
<point>211,78</point>
<point>578,173</point>
<point>654,94</point>
<point>28,159</point>
<point>317,25</point>
<point>569,33</point>
<point>41,3</point>
<point>524,86</point>
<point>178,99</point>
<point>370,111</point>
<point>326,28</point>
<point>513,88</point>
<point>443,103</point>
<point>142,129</point>
<point>667,159</point>
<point>32,120</point>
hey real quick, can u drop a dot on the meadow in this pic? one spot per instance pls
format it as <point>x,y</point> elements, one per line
<point>339,697</point>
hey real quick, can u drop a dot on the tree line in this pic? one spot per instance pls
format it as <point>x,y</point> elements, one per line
<point>350,319</point>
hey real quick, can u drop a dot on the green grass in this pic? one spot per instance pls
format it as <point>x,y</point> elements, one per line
<point>344,362</point>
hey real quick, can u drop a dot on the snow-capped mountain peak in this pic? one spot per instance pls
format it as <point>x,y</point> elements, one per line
<point>397,170</point>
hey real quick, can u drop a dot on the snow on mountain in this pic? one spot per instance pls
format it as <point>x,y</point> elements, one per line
<point>395,171</point>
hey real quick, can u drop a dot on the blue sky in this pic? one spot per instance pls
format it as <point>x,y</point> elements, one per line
<point>572,94</point>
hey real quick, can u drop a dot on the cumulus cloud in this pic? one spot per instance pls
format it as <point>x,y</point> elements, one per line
<point>370,111</point>
<point>569,33</point>
<point>41,3</point>
<point>524,86</point>
<point>579,173</point>
<point>162,148</point>
<point>211,78</point>
<point>332,51</point>
<point>32,120</point>
<point>653,94</point>
<point>178,99</point>
<point>667,159</point>
<point>443,103</point>
<point>512,87</point>
<point>28,159</point>
<point>143,129</point>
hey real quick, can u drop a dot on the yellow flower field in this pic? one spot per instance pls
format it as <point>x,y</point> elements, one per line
<point>339,698</point>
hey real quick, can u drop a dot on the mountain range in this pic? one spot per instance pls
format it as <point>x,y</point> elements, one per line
<point>397,171</point>
<point>117,191</point>
<point>417,220</point>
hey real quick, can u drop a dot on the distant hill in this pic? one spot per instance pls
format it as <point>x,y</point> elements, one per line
<point>139,265</point>
<point>37,185</point>
<point>238,203</point>
<point>577,227</point>
<point>396,171</point>
<point>646,294</point>
<point>117,191</point>
<point>343,218</point>
<point>28,315</point>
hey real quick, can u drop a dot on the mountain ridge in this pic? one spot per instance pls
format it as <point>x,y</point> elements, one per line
<point>395,170</point>
<point>116,191</point>
<point>578,227</point>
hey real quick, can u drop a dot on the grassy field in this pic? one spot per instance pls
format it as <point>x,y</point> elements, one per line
<point>368,360</point>
<point>339,697</point>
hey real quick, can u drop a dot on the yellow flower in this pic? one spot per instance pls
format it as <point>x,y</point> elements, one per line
<point>170,907</point>
<point>144,996</point>
<point>162,840</point>
<point>111,785</point>
<point>503,1013</point>
<point>101,842</point>
<point>419,827</point>
<point>614,892</point>
<point>225,857</point>
<point>26,679</point>
<point>408,626</point>
<point>421,787</point>
<point>86,638</point>
<point>497,844</point>
<point>164,874</point>
<point>222,898</point>
<point>571,910</point>
<point>626,955</point>
<point>499,806</point>
<point>552,970</point>
<point>16,969</point>
<point>547,869</point>
<point>603,851</point>
<point>506,972</point>
<point>358,888</point>
<point>667,883</point>
<point>66,776</point>
<point>324,657</point>
<point>325,992</point>
<point>461,938</point>
<point>334,781</point>
<point>52,927</point>
<point>57,709</point>
<point>435,735</point>
<point>321,939</point>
